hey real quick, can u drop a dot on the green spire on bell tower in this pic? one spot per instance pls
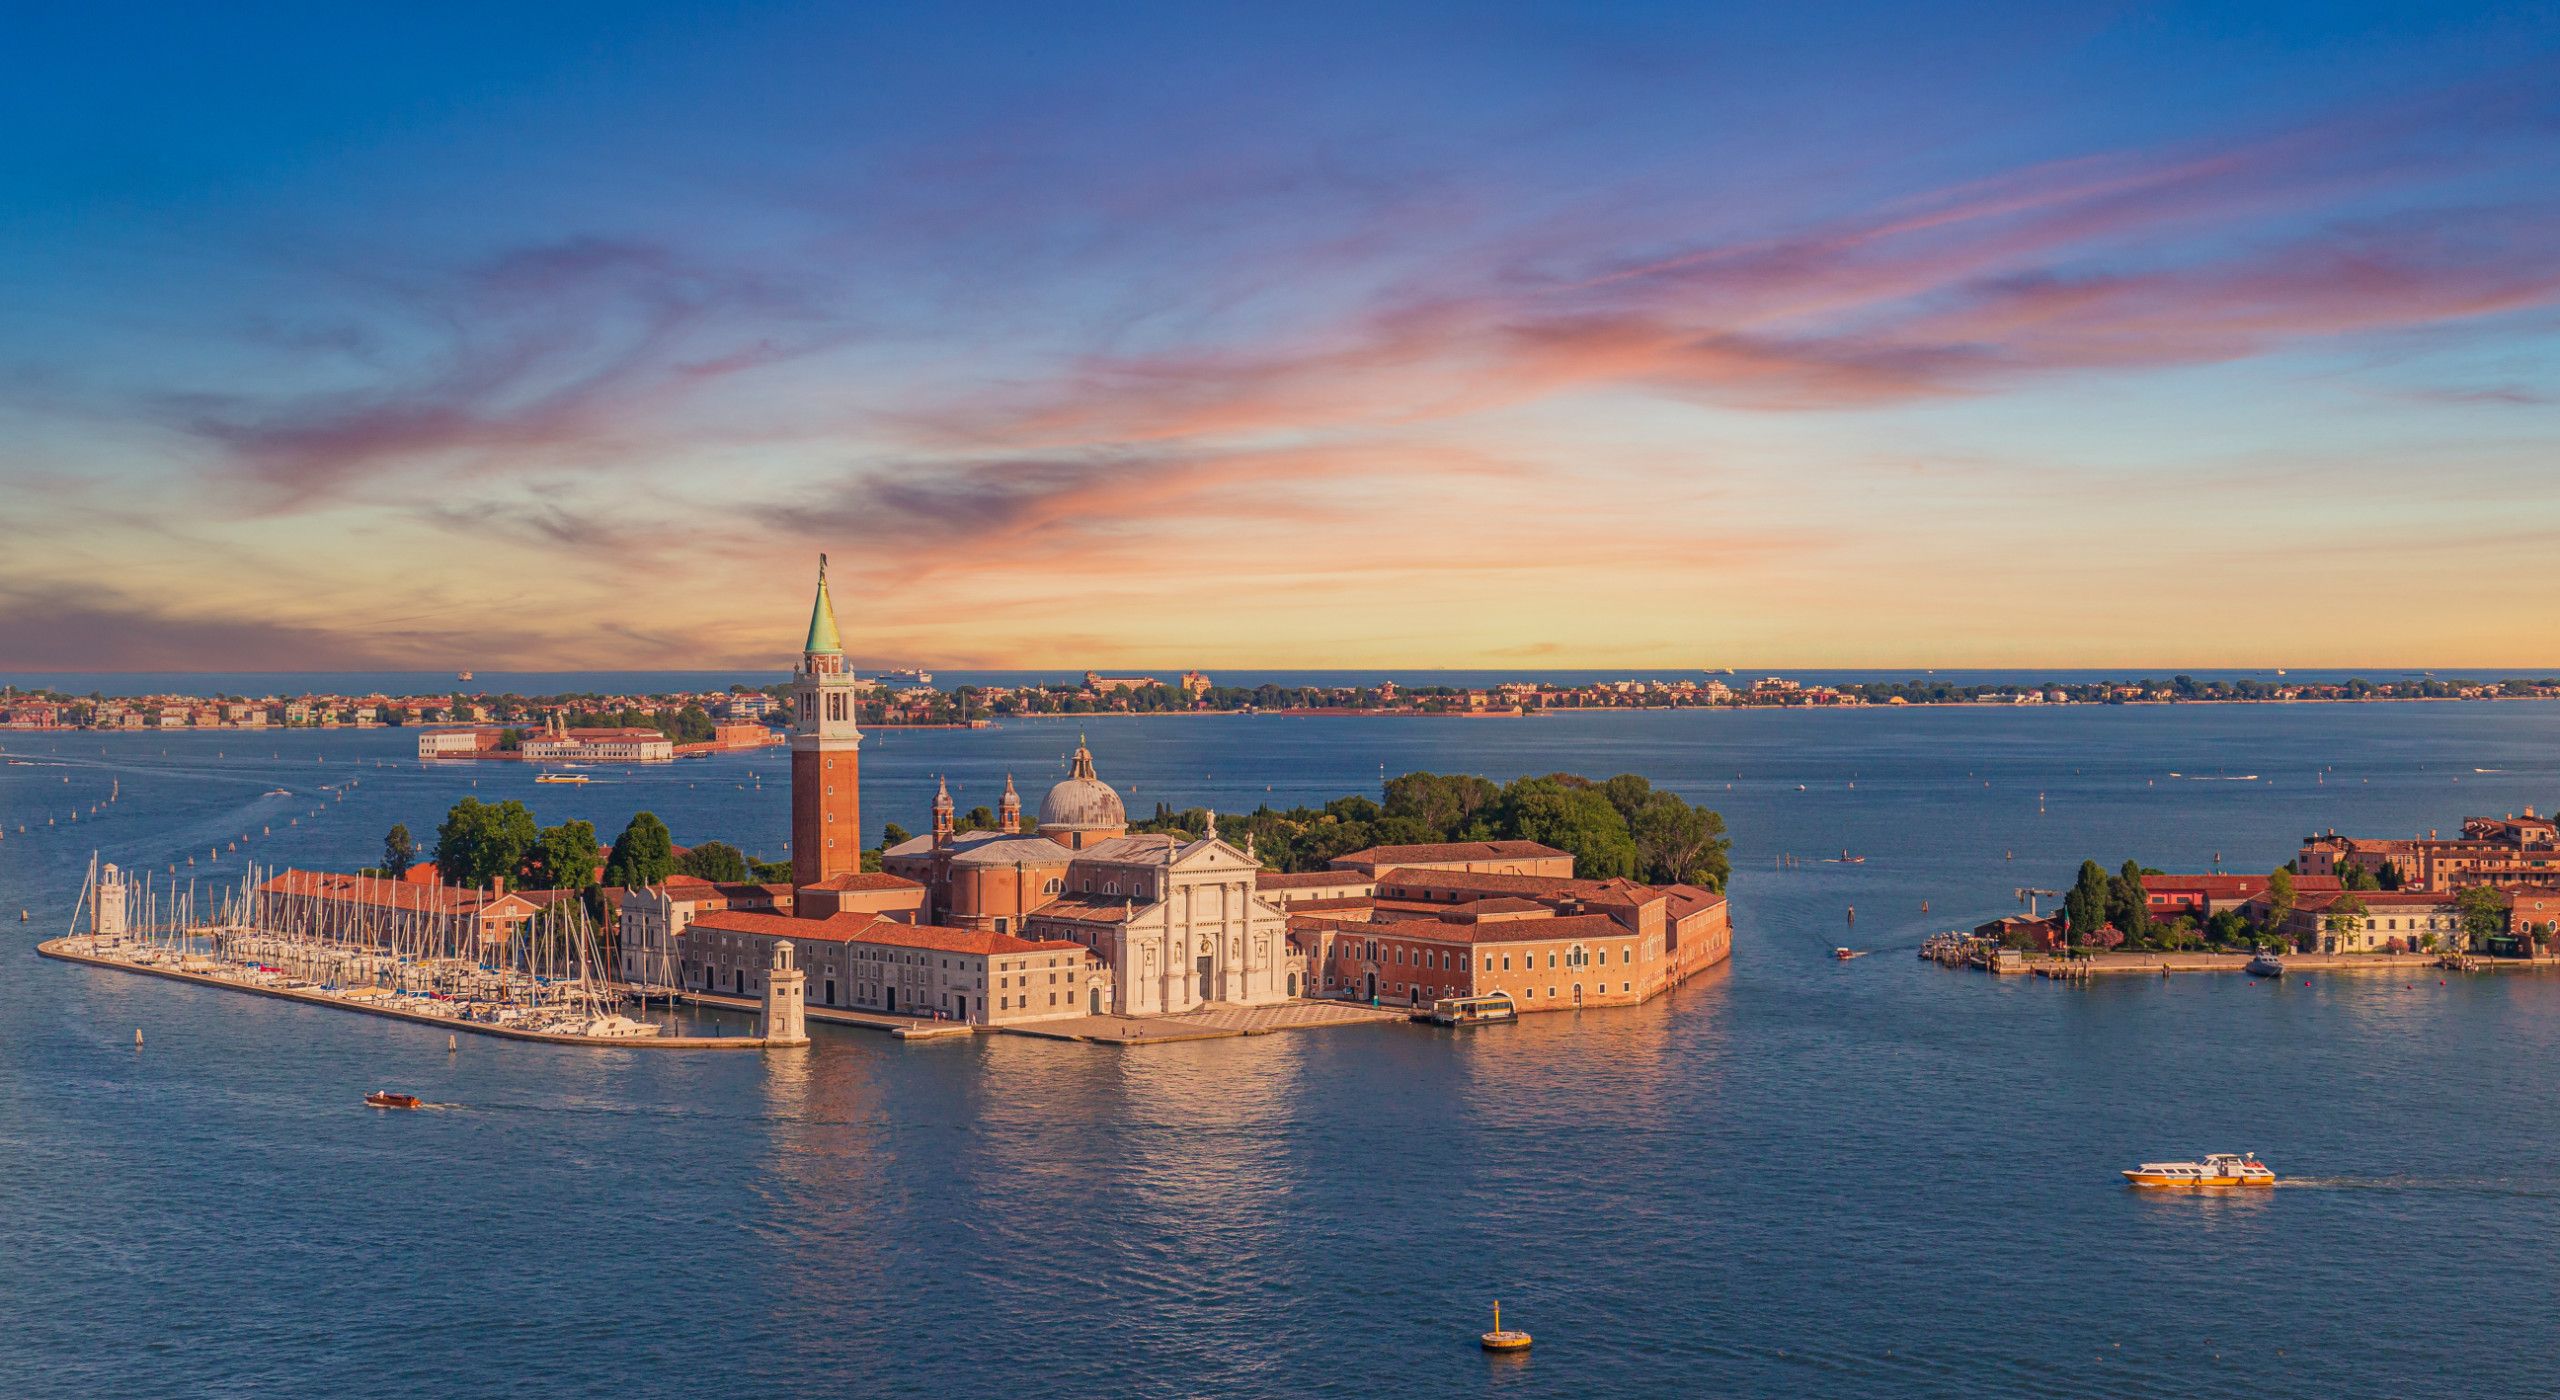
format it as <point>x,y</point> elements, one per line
<point>822,618</point>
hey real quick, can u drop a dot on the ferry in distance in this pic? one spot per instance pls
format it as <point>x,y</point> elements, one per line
<point>2217,1169</point>
<point>560,778</point>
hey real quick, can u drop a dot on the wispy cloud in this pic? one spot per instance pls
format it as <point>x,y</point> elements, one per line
<point>533,355</point>
<point>2124,260</point>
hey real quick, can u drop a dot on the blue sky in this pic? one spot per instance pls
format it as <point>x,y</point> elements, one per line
<point>1402,335</point>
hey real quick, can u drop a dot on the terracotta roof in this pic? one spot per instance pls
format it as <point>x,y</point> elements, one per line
<point>870,928</point>
<point>1306,879</point>
<point>1345,905</point>
<point>863,880</point>
<point>1563,928</point>
<point>1086,908</point>
<point>399,895</point>
<point>2377,899</point>
<point>1481,885</point>
<point>1687,900</point>
<point>1451,850</point>
<point>1482,907</point>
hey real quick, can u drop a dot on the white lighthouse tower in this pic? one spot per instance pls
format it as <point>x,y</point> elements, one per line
<point>107,905</point>
<point>786,998</point>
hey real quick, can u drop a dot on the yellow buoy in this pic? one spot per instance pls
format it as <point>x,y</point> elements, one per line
<point>1499,1340</point>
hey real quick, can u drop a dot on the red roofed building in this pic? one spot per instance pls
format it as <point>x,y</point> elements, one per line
<point>2202,896</point>
<point>1485,857</point>
<point>655,916</point>
<point>863,962</point>
<point>383,912</point>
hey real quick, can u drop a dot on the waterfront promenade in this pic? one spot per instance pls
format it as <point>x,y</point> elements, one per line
<point>2160,964</point>
<point>1208,1023</point>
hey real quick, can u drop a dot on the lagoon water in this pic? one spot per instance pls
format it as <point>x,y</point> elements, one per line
<point>1792,1177</point>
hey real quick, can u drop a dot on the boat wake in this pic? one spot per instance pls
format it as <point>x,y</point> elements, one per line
<point>2216,777</point>
<point>2469,1185</point>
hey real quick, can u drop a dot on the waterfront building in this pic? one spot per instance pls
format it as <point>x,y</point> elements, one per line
<point>2392,921</point>
<point>862,962</point>
<point>560,744</point>
<point>457,743</point>
<point>2516,849</point>
<point>654,917</point>
<point>2200,897</point>
<point>1553,942</point>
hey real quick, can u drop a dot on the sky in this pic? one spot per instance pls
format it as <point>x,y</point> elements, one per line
<point>1664,337</point>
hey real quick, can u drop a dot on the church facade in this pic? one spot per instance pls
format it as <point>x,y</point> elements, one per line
<point>1177,921</point>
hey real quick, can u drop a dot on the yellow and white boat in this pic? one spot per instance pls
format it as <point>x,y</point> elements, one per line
<point>2217,1169</point>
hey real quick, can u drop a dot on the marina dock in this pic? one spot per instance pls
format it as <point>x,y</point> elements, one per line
<point>82,950</point>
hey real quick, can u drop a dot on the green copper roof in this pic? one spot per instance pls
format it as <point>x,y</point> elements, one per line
<point>822,617</point>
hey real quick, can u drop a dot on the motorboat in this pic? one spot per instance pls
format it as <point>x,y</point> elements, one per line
<point>2217,1169</point>
<point>560,777</point>
<point>2265,965</point>
<point>384,1098</point>
<point>1493,1008</point>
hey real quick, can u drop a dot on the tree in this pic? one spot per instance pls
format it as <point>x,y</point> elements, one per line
<point>2352,876</point>
<point>1679,844</point>
<point>2345,917</point>
<point>2390,878</point>
<point>691,725</point>
<point>2227,927</point>
<point>2483,914</point>
<point>644,854</point>
<point>1575,819</point>
<point>2281,898</point>
<point>892,834</point>
<point>399,851</point>
<point>2084,909</point>
<point>2128,905</point>
<point>480,842</point>
<point>1444,804</point>
<point>563,857</point>
<point>717,861</point>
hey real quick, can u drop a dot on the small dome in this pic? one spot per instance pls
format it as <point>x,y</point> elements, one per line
<point>1083,802</point>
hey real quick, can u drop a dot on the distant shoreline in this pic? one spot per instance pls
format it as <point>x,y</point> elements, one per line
<point>876,727</point>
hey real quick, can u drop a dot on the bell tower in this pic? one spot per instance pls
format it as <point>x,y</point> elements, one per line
<point>826,774</point>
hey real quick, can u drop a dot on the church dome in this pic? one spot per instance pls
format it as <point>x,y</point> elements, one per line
<point>1082,802</point>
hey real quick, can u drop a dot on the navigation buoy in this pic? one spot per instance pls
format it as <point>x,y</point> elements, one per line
<point>452,1043</point>
<point>1501,1340</point>
<point>137,1037</point>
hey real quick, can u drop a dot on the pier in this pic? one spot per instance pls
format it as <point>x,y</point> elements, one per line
<point>374,947</point>
<point>207,973</point>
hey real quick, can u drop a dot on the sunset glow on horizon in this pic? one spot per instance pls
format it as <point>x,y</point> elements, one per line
<point>1874,336</point>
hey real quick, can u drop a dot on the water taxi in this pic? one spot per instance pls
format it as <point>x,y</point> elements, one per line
<point>1490,1009</point>
<point>2217,1169</point>
<point>560,777</point>
<point>384,1098</point>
